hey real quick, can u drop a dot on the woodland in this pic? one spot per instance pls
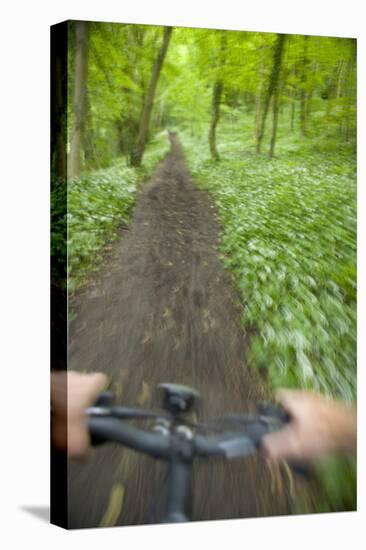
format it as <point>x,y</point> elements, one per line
<point>268,125</point>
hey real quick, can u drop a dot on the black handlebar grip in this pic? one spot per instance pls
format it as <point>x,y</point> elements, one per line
<point>301,469</point>
<point>105,399</point>
<point>274,411</point>
<point>96,440</point>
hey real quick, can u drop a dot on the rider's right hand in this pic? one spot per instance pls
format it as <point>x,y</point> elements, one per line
<point>318,426</point>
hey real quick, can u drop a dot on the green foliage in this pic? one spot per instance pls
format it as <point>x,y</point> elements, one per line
<point>289,239</point>
<point>323,74</point>
<point>317,85</point>
<point>338,482</point>
<point>119,64</point>
<point>288,225</point>
<point>59,233</point>
<point>98,203</point>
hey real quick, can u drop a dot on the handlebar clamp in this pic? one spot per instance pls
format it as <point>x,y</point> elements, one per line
<point>178,398</point>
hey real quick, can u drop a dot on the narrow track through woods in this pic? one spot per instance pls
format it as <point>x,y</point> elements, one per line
<point>163,309</point>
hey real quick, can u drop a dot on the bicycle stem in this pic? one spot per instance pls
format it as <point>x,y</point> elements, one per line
<point>178,504</point>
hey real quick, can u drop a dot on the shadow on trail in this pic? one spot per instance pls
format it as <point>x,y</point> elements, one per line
<point>163,310</point>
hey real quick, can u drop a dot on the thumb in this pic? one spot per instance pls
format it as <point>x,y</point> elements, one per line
<point>97,382</point>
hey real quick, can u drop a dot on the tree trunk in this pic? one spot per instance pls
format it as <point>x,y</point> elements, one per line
<point>259,101</point>
<point>309,99</point>
<point>275,121</point>
<point>339,79</point>
<point>79,96</point>
<point>121,140</point>
<point>272,85</point>
<point>293,112</point>
<point>90,153</point>
<point>303,95</point>
<point>59,44</point>
<point>293,95</point>
<point>127,128</point>
<point>351,89</point>
<point>137,153</point>
<point>216,99</point>
<point>332,92</point>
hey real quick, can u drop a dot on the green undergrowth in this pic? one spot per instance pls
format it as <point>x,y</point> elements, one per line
<point>289,240</point>
<point>98,204</point>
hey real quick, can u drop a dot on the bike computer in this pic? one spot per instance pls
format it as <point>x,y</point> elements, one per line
<point>178,398</point>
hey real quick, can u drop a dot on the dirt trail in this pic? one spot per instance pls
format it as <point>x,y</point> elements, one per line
<point>163,310</point>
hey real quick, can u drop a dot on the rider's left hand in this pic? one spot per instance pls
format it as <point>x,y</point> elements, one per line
<point>71,394</point>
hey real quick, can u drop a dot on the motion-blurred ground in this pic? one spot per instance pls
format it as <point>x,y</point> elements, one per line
<point>161,310</point>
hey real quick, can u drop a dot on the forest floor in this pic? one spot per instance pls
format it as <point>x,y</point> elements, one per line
<point>162,309</point>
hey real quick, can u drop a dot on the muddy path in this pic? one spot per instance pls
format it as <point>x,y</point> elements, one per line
<point>162,309</point>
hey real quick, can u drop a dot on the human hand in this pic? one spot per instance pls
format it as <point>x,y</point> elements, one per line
<point>318,426</point>
<point>72,393</point>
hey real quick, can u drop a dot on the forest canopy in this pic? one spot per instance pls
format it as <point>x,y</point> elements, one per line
<point>307,83</point>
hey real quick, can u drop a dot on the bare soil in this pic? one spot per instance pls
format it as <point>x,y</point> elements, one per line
<point>163,309</point>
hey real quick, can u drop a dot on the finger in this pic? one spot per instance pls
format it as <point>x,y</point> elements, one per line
<point>287,397</point>
<point>78,441</point>
<point>87,389</point>
<point>97,381</point>
<point>294,401</point>
<point>282,445</point>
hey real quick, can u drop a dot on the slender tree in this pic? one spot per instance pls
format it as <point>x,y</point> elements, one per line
<point>275,120</point>
<point>137,153</point>
<point>303,92</point>
<point>88,137</point>
<point>310,93</point>
<point>215,115</point>
<point>259,94</point>
<point>59,44</point>
<point>293,93</point>
<point>272,85</point>
<point>79,96</point>
<point>349,91</point>
<point>216,98</point>
<point>127,123</point>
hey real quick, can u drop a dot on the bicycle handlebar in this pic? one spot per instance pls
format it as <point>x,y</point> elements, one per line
<point>228,444</point>
<point>179,442</point>
<point>107,429</point>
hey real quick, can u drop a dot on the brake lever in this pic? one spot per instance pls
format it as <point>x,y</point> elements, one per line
<point>101,407</point>
<point>105,399</point>
<point>274,413</point>
<point>104,406</point>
